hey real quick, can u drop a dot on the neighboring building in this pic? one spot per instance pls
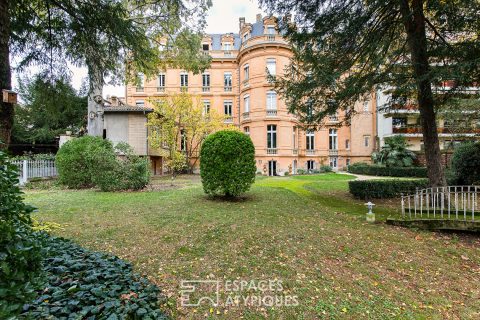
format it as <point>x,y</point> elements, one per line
<point>405,120</point>
<point>237,85</point>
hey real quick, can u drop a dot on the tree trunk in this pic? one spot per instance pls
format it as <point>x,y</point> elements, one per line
<point>414,21</point>
<point>6,109</point>
<point>95,105</point>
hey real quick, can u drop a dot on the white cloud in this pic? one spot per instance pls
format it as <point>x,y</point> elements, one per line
<point>221,18</point>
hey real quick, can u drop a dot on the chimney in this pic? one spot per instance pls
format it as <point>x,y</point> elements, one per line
<point>242,22</point>
<point>259,17</point>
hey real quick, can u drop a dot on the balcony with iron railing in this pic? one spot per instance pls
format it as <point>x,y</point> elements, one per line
<point>310,152</point>
<point>139,89</point>
<point>205,89</point>
<point>417,129</point>
<point>333,152</point>
<point>271,151</point>
<point>184,88</point>
<point>264,39</point>
<point>246,115</point>
<point>271,112</point>
<point>228,119</point>
<point>295,151</point>
<point>227,88</point>
<point>160,89</point>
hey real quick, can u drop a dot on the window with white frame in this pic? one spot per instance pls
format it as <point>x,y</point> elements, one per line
<point>161,80</point>
<point>227,108</point>
<point>205,46</point>
<point>271,66</point>
<point>271,30</point>
<point>271,136</point>
<point>310,143</point>
<point>271,100</point>
<point>227,81</point>
<point>140,81</point>
<point>183,140</point>
<point>140,103</point>
<point>183,79</point>
<point>310,165</point>
<point>246,72</point>
<point>205,81</point>
<point>333,141</point>
<point>347,144</point>
<point>246,130</point>
<point>366,141</point>
<point>294,136</point>
<point>366,106</point>
<point>246,103</point>
<point>206,107</point>
<point>227,46</point>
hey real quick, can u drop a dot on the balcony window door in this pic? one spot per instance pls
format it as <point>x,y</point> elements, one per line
<point>271,136</point>
<point>183,80</point>
<point>227,108</point>
<point>271,66</point>
<point>227,80</point>
<point>161,82</point>
<point>205,82</point>
<point>246,103</point>
<point>310,140</point>
<point>271,100</point>
<point>333,139</point>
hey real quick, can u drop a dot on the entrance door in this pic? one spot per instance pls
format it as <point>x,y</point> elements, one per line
<point>272,168</point>
<point>333,163</point>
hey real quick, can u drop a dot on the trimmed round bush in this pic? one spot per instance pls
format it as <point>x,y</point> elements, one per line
<point>466,164</point>
<point>227,163</point>
<point>80,160</point>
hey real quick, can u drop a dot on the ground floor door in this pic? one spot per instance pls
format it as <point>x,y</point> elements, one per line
<point>272,168</point>
<point>334,163</point>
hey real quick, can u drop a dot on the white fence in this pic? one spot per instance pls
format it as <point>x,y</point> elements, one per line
<point>452,202</point>
<point>28,169</point>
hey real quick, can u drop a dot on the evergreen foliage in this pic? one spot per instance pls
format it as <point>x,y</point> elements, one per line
<point>466,164</point>
<point>395,153</point>
<point>227,163</point>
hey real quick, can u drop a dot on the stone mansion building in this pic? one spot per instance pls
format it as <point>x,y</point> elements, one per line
<point>236,85</point>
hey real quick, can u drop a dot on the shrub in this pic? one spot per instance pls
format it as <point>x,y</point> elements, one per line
<point>466,164</point>
<point>301,171</point>
<point>80,160</point>
<point>20,249</point>
<point>91,161</point>
<point>81,284</point>
<point>129,172</point>
<point>227,163</point>
<point>375,170</point>
<point>370,189</point>
<point>325,169</point>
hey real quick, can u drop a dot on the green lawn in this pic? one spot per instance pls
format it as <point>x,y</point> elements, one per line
<point>305,231</point>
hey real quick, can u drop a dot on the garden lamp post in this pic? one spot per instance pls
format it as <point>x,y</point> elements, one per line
<point>370,214</point>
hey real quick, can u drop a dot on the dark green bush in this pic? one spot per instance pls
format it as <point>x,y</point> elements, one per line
<point>127,172</point>
<point>81,284</point>
<point>91,161</point>
<point>325,169</point>
<point>466,164</point>
<point>80,160</point>
<point>375,170</point>
<point>371,189</point>
<point>227,163</point>
<point>20,249</point>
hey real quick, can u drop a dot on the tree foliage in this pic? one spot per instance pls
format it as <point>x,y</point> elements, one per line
<point>178,126</point>
<point>395,153</point>
<point>466,164</point>
<point>47,109</point>
<point>227,163</point>
<point>345,49</point>
<point>20,249</point>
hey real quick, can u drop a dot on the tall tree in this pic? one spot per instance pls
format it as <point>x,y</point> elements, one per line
<point>48,108</point>
<point>6,109</point>
<point>178,126</point>
<point>114,39</point>
<point>345,49</point>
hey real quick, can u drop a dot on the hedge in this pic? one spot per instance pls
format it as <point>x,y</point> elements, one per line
<point>372,189</point>
<point>414,172</point>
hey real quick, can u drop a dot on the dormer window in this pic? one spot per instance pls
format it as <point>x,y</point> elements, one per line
<point>246,36</point>
<point>227,46</point>
<point>271,30</point>
<point>205,47</point>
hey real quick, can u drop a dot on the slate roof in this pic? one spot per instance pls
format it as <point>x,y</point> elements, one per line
<point>257,30</point>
